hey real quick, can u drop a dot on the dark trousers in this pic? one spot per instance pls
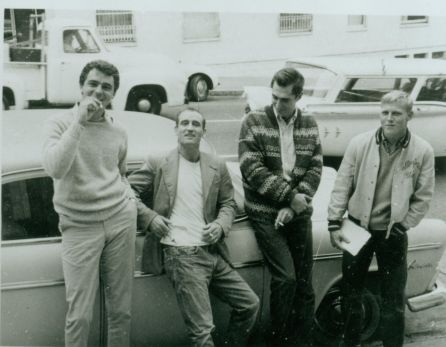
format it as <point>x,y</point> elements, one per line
<point>391,256</point>
<point>288,253</point>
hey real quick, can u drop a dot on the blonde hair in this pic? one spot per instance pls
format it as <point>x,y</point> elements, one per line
<point>398,97</point>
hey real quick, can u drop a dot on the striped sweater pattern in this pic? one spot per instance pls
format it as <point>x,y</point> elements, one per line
<point>266,190</point>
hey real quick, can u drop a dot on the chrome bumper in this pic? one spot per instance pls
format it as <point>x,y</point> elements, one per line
<point>434,298</point>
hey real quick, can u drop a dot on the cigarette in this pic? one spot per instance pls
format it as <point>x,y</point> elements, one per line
<point>280,223</point>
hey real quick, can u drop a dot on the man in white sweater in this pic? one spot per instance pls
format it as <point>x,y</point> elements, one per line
<point>85,153</point>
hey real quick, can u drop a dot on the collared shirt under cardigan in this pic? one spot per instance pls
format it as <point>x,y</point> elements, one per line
<point>287,150</point>
<point>412,185</point>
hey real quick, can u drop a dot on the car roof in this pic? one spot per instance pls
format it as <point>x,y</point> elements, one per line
<point>377,66</point>
<point>22,138</point>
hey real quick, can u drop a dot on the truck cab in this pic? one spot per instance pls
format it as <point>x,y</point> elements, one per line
<point>48,70</point>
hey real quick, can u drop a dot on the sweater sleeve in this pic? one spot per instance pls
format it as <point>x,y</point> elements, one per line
<point>312,177</point>
<point>122,164</point>
<point>61,143</point>
<point>255,171</point>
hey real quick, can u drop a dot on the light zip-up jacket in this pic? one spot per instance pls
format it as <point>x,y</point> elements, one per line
<point>412,184</point>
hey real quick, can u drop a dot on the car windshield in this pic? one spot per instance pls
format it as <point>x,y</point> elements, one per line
<point>371,89</point>
<point>79,41</point>
<point>318,80</point>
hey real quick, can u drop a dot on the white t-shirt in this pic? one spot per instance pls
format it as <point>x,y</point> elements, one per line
<point>187,213</point>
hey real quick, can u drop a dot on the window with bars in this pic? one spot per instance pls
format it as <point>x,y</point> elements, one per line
<point>116,26</point>
<point>295,23</point>
<point>201,26</point>
<point>414,19</point>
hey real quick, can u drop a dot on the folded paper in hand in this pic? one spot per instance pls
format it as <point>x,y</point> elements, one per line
<point>357,235</point>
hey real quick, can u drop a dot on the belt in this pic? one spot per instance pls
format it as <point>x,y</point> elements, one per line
<point>358,222</point>
<point>210,248</point>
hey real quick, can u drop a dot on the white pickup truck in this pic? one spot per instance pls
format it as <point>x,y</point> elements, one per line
<point>47,70</point>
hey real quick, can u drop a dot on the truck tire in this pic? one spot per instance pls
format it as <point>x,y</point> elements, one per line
<point>198,88</point>
<point>5,104</point>
<point>328,322</point>
<point>144,100</point>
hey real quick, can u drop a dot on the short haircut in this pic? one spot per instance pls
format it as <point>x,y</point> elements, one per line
<point>103,66</point>
<point>192,109</point>
<point>289,76</point>
<point>398,97</point>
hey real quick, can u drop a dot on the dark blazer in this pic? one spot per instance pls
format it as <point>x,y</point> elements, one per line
<point>158,177</point>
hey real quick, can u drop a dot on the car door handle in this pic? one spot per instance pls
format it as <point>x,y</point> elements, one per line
<point>325,132</point>
<point>338,132</point>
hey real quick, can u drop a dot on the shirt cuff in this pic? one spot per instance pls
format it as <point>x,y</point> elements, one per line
<point>334,225</point>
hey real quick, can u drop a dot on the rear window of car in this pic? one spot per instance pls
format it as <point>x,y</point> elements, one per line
<point>27,210</point>
<point>434,89</point>
<point>363,89</point>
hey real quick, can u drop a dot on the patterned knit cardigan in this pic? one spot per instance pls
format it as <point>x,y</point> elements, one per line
<point>266,190</point>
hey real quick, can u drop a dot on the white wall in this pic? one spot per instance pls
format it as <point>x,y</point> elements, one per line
<point>246,38</point>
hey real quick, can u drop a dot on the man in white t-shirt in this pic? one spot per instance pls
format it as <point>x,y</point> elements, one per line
<point>193,210</point>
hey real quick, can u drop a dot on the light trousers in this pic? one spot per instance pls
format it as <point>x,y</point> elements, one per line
<point>92,251</point>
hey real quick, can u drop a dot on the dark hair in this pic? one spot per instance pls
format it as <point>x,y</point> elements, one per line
<point>103,66</point>
<point>193,109</point>
<point>289,76</point>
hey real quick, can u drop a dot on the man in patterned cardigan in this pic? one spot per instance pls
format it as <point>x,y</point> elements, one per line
<point>281,163</point>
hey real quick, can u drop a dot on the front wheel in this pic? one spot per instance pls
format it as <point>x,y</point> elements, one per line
<point>198,88</point>
<point>144,100</point>
<point>328,321</point>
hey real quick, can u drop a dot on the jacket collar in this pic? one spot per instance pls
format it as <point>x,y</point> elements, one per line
<point>402,142</point>
<point>170,168</point>
<point>269,110</point>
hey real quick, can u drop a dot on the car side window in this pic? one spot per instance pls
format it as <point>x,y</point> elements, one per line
<point>434,89</point>
<point>372,89</point>
<point>27,210</point>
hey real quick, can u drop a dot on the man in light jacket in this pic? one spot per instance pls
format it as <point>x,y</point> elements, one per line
<point>193,210</point>
<point>385,182</point>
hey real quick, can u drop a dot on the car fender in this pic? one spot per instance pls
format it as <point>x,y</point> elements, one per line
<point>18,89</point>
<point>174,86</point>
<point>195,69</point>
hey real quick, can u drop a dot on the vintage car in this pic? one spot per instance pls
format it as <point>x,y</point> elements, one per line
<point>32,286</point>
<point>343,94</point>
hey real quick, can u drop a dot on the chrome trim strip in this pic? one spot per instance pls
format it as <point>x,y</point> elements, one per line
<point>26,242</point>
<point>425,246</point>
<point>248,264</point>
<point>140,274</point>
<point>241,219</point>
<point>32,284</point>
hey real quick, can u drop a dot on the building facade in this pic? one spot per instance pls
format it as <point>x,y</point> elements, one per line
<point>239,41</point>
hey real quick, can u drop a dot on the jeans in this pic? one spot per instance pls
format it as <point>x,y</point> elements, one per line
<point>197,271</point>
<point>288,252</point>
<point>92,250</point>
<point>391,256</point>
